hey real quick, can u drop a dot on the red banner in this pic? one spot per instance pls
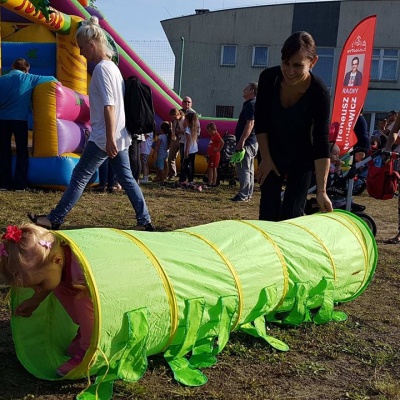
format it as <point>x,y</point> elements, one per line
<point>352,82</point>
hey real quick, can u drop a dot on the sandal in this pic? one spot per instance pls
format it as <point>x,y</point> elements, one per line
<point>42,221</point>
<point>395,240</point>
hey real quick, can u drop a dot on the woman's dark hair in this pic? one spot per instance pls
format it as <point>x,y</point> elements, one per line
<point>21,64</point>
<point>298,41</point>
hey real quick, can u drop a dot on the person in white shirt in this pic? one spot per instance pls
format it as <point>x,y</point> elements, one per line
<point>108,138</point>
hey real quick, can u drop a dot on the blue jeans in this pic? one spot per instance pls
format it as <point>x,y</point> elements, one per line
<point>106,175</point>
<point>245,171</point>
<point>91,159</point>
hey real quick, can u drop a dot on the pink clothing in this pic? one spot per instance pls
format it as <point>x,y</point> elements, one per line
<point>74,296</point>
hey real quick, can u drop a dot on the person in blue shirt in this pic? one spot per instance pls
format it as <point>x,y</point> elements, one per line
<point>16,89</point>
<point>246,140</point>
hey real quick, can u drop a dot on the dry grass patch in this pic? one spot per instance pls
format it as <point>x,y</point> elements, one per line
<point>358,359</point>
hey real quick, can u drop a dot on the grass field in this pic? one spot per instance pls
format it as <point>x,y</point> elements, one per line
<point>358,359</point>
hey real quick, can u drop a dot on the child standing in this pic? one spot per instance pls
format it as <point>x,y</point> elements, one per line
<point>145,150</point>
<point>191,148</point>
<point>177,141</point>
<point>31,256</point>
<point>161,151</point>
<point>214,153</point>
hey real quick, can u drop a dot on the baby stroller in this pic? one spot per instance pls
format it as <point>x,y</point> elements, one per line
<point>226,171</point>
<point>340,190</point>
<point>383,175</point>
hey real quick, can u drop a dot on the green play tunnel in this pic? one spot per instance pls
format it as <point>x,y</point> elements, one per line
<point>183,292</point>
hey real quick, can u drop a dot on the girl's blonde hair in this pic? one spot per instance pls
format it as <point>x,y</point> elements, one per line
<point>27,255</point>
<point>192,123</point>
<point>91,30</point>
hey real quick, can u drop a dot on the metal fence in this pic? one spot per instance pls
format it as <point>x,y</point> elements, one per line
<point>158,55</point>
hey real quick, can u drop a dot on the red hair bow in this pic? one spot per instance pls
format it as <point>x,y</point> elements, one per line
<point>12,233</point>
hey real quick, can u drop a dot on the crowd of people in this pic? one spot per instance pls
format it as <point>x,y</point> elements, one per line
<point>284,123</point>
<point>284,119</point>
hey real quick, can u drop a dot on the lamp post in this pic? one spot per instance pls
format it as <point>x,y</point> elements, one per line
<point>181,65</point>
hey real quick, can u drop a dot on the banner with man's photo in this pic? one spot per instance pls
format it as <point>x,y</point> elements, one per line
<point>352,82</point>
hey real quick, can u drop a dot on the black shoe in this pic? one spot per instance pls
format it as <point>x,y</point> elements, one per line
<point>43,221</point>
<point>148,227</point>
<point>237,198</point>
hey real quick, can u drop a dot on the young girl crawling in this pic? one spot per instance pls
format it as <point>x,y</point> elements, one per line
<point>31,256</point>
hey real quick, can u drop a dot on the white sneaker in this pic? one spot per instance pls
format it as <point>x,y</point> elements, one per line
<point>144,180</point>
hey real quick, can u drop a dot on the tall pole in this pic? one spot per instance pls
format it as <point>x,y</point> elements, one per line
<point>181,65</point>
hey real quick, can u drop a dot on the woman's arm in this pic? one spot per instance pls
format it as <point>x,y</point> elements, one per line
<point>109,117</point>
<point>262,121</point>
<point>321,118</point>
<point>321,176</point>
<point>266,165</point>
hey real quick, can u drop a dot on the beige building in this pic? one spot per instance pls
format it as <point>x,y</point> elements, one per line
<point>218,52</point>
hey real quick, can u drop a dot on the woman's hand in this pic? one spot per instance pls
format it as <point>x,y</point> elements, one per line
<point>324,202</point>
<point>111,148</point>
<point>264,168</point>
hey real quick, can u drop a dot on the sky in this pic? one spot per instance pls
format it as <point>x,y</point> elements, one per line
<point>140,19</point>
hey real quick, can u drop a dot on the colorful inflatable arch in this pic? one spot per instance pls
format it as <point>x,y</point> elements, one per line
<point>49,46</point>
<point>155,298</point>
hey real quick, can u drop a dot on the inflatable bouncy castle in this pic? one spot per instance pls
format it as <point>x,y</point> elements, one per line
<point>150,298</point>
<point>45,37</point>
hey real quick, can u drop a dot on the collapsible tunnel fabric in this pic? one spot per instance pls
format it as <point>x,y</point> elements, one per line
<point>177,292</point>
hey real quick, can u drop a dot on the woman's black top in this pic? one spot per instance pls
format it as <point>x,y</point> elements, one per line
<point>297,135</point>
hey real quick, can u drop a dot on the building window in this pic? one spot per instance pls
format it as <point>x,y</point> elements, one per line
<point>384,64</point>
<point>224,111</point>
<point>260,56</point>
<point>228,55</point>
<point>324,67</point>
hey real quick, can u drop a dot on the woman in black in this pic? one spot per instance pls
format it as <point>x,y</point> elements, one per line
<point>292,126</point>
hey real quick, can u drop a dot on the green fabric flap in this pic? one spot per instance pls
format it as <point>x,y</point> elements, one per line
<point>214,335</point>
<point>258,329</point>
<point>184,341</point>
<point>267,300</point>
<point>187,332</point>
<point>129,364</point>
<point>133,363</point>
<point>101,389</point>
<point>185,373</point>
<point>325,312</point>
<point>299,313</point>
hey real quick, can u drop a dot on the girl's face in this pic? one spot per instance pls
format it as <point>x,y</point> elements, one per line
<point>297,69</point>
<point>48,277</point>
<point>335,153</point>
<point>211,131</point>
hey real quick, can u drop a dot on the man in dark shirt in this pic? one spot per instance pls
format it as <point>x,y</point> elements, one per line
<point>246,139</point>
